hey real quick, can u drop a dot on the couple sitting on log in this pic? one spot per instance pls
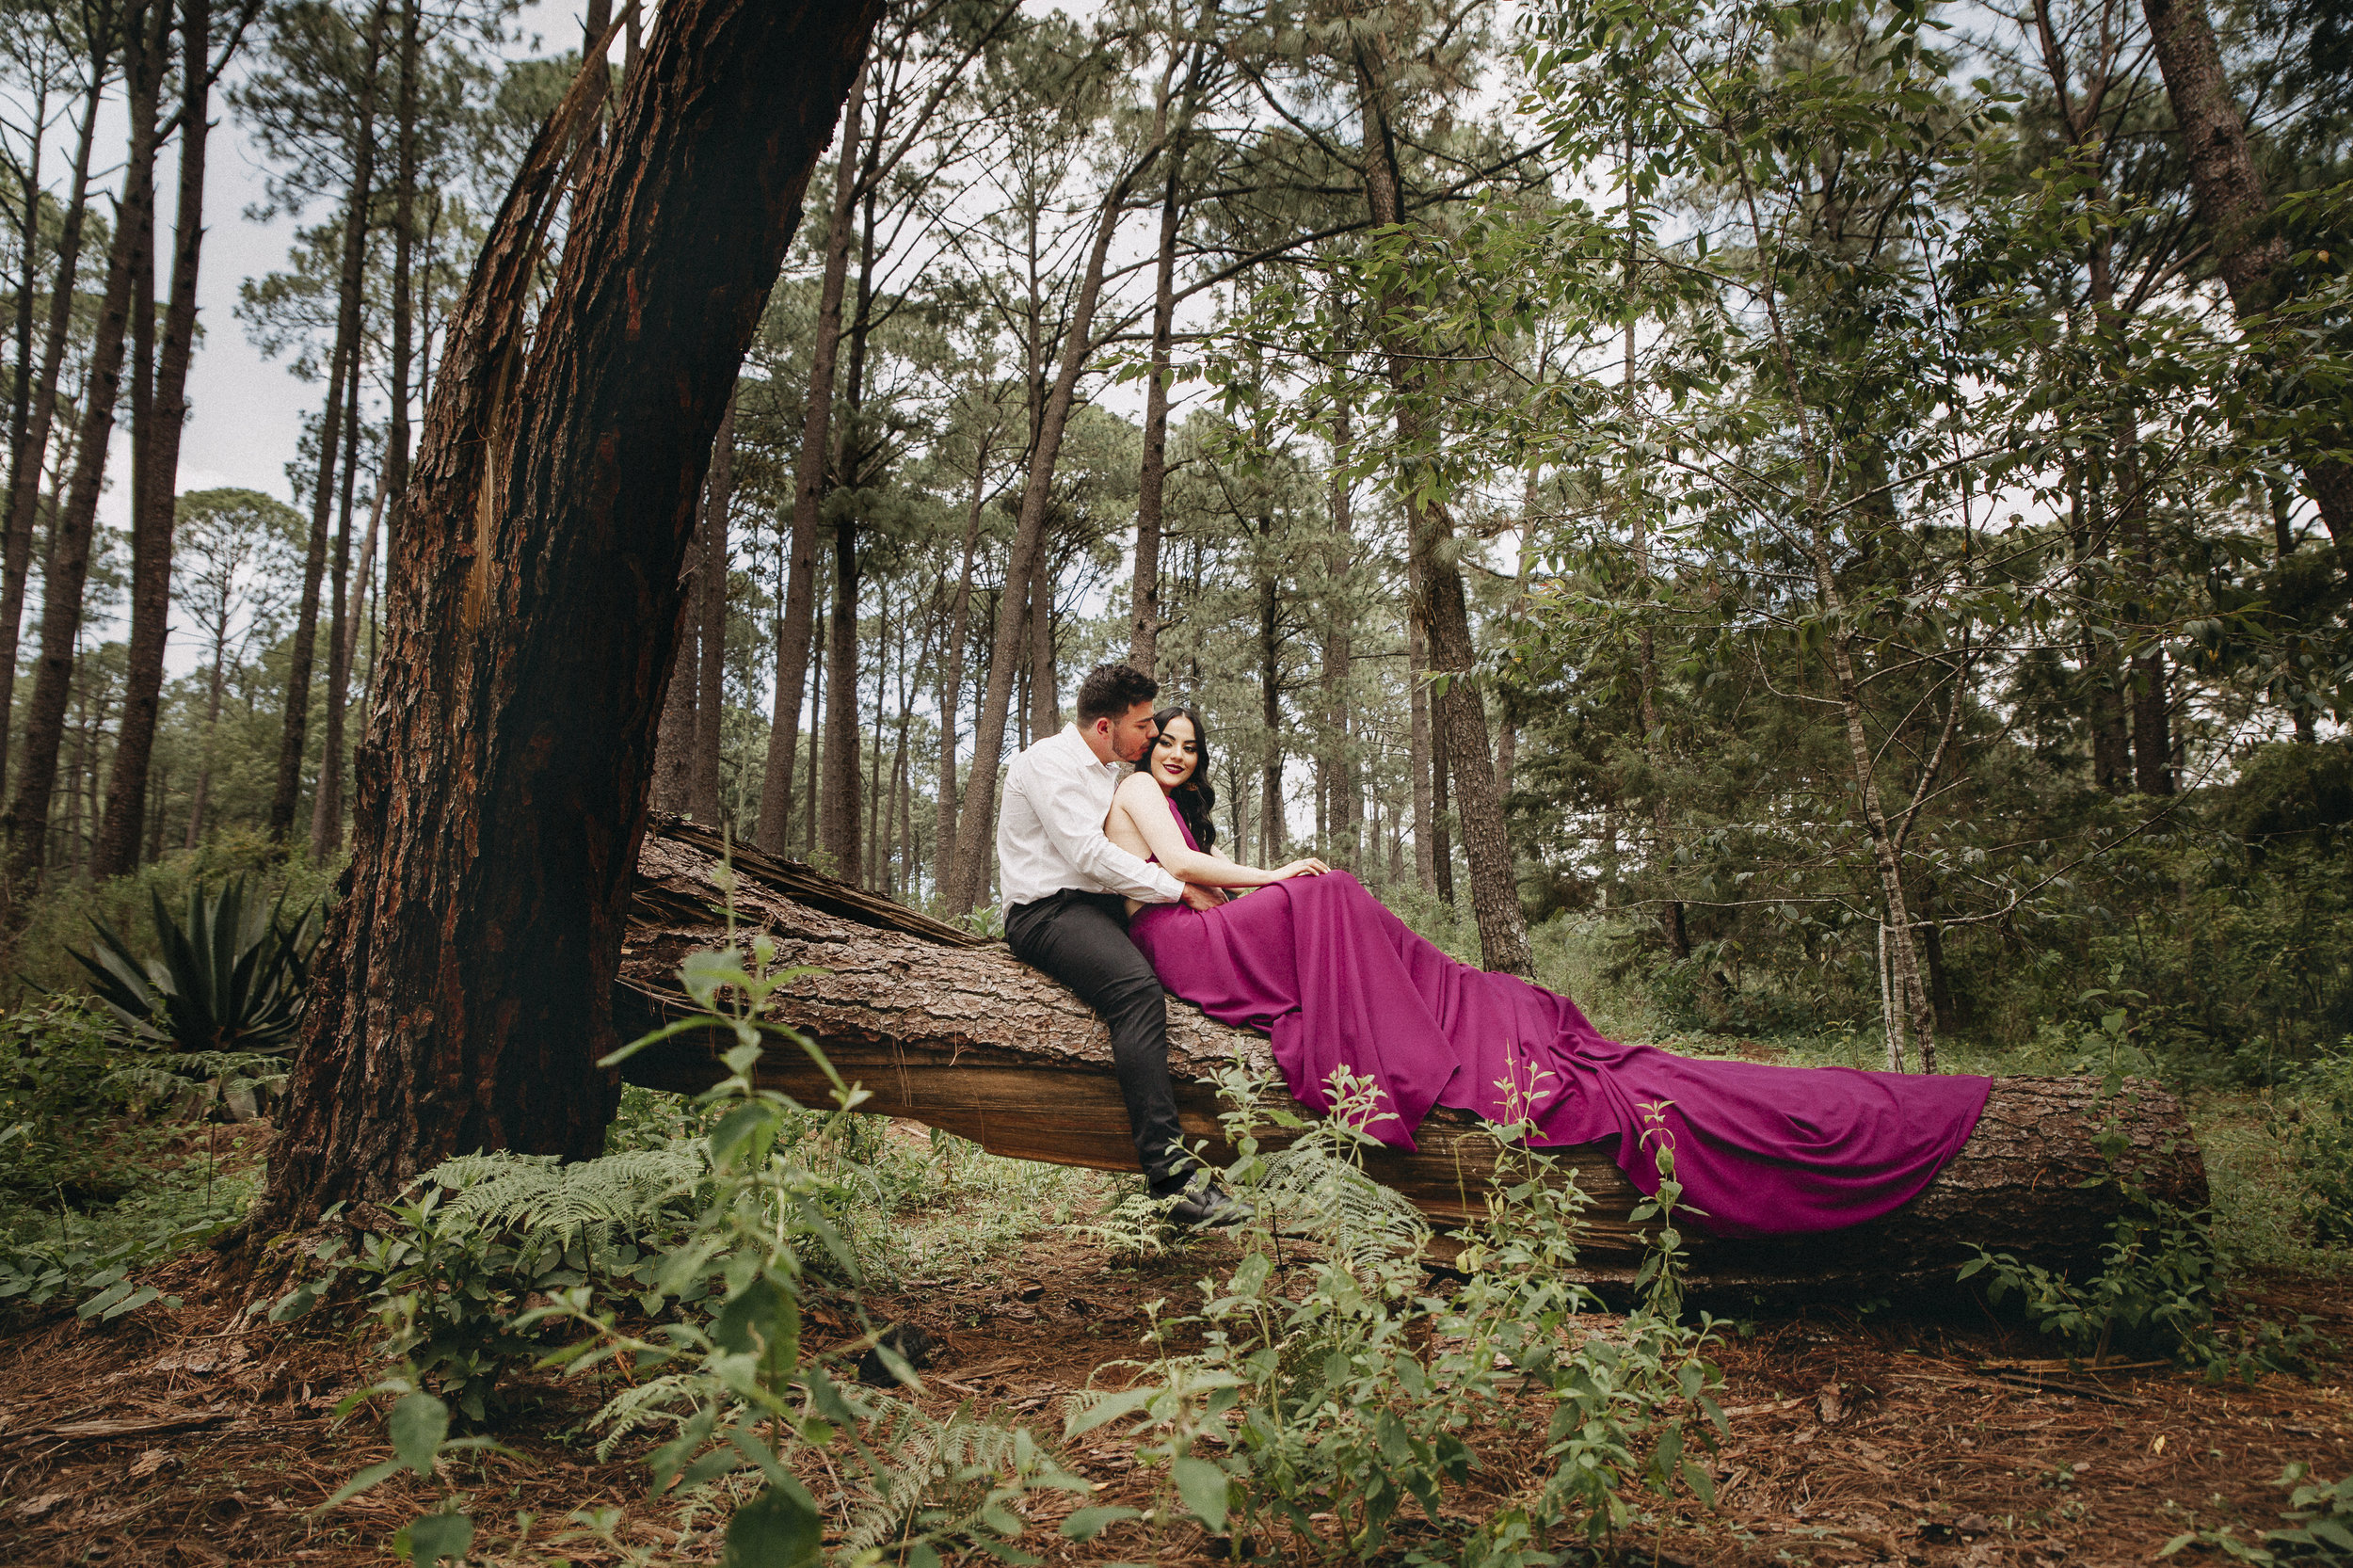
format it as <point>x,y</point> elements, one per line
<point>1113,885</point>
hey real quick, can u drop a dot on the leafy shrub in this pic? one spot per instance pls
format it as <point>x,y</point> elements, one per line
<point>713,1236</point>
<point>1332,1382</point>
<point>92,1259</point>
<point>2158,1287</point>
<point>2318,1140</point>
<point>484,1234</point>
<point>58,1091</point>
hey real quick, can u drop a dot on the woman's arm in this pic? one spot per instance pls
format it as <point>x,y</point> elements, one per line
<point>1147,807</point>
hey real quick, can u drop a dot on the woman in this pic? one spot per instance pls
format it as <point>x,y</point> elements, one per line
<point>1319,964</point>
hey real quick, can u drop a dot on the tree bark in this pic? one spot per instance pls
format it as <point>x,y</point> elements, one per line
<point>1340,653</point>
<point>117,853</point>
<point>793,638</point>
<point>16,550</point>
<point>1417,758</point>
<point>27,818</point>
<point>327,800</point>
<point>710,598</point>
<point>946,1029</point>
<point>2231,205</point>
<point>465,991</point>
<point>1441,604</point>
<point>293,735</point>
<point>1143,607</point>
<point>952,679</point>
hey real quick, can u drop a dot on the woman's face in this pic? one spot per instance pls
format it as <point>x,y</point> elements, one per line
<point>1176,754</point>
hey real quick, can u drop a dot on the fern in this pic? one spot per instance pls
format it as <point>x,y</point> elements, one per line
<point>927,1476</point>
<point>532,1193</point>
<point>1308,1191</point>
<point>1134,1229</point>
<point>669,1398</point>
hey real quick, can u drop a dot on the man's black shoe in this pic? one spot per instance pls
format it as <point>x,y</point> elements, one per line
<point>1208,1207</point>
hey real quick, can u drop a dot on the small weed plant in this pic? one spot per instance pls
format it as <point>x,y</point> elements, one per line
<point>1338,1396</point>
<point>2317,1526</point>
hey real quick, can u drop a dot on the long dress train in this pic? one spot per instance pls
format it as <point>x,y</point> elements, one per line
<point>1337,981</point>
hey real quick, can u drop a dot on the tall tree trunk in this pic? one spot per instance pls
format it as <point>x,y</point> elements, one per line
<point>809,491</point>
<point>952,679</point>
<point>712,598</point>
<point>1144,610</point>
<point>28,281</point>
<point>2232,203</point>
<point>215,683</point>
<point>16,549</point>
<point>28,817</point>
<point>116,851</point>
<point>1340,653</point>
<point>1418,746</point>
<point>466,986</point>
<point>838,811</point>
<point>1044,678</point>
<point>327,801</point>
<point>1270,824</point>
<point>816,734</point>
<point>1441,811</point>
<point>327,814</point>
<point>1025,562</point>
<point>1442,605</point>
<point>293,735</point>
<point>878,784</point>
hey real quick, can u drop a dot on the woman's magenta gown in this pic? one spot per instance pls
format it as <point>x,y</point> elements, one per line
<point>1337,981</point>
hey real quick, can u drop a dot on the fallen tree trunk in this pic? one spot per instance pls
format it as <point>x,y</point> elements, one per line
<point>943,1028</point>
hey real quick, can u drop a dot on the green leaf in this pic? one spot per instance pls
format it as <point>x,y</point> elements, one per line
<point>1088,1523</point>
<point>1204,1488</point>
<point>1110,1409</point>
<point>361,1482</point>
<point>437,1536</point>
<point>774,1529</point>
<point>419,1424</point>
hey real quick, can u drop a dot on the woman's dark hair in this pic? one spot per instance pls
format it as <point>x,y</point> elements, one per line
<point>1195,796</point>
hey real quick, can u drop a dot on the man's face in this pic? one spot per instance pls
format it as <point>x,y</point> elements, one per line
<point>1132,733</point>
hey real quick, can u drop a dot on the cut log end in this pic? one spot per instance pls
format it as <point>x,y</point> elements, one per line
<point>940,1028</point>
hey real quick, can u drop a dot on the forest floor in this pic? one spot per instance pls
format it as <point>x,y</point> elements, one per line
<point>201,1435</point>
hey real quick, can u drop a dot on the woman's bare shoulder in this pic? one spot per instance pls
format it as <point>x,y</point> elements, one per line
<point>1135,788</point>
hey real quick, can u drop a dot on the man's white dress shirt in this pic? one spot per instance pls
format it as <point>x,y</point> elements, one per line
<point>1049,833</point>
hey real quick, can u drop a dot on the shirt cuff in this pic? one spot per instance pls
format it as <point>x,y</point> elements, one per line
<point>1172,891</point>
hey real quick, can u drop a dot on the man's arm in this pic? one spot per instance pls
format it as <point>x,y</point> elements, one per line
<point>1074,825</point>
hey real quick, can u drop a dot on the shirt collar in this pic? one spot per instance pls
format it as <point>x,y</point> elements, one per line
<point>1077,739</point>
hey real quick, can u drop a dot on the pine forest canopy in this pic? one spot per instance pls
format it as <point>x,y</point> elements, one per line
<point>1835,509</point>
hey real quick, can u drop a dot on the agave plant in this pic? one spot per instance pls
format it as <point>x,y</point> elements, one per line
<point>230,978</point>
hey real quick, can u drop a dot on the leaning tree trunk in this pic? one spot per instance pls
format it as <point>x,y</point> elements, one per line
<point>944,1029</point>
<point>466,990</point>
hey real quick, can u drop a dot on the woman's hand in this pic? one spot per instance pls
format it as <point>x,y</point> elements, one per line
<point>1309,867</point>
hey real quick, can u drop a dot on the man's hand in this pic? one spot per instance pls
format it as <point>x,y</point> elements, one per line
<point>1204,899</point>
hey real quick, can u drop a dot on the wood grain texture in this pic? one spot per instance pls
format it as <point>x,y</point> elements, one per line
<point>965,1039</point>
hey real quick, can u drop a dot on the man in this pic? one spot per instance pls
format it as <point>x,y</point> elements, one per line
<point>1065,886</point>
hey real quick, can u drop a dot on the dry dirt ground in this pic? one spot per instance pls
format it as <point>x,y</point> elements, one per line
<point>195,1436</point>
